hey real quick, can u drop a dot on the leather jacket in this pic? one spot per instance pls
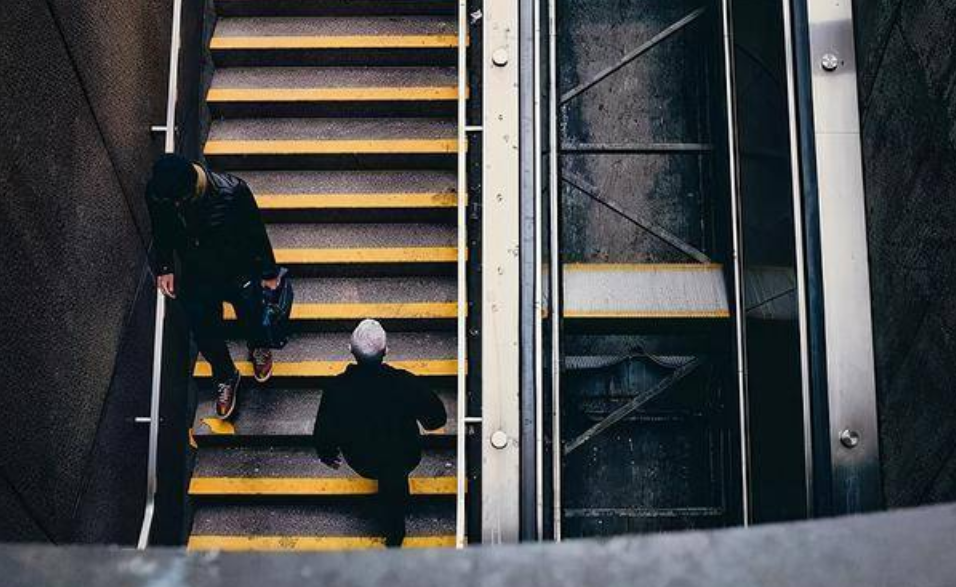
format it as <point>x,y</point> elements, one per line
<point>219,235</point>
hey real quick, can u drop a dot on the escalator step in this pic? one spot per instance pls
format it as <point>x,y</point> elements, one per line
<point>397,302</point>
<point>333,7</point>
<point>295,471</point>
<point>280,416</point>
<point>321,354</point>
<point>370,40</point>
<point>313,526</point>
<point>333,91</point>
<point>358,191</point>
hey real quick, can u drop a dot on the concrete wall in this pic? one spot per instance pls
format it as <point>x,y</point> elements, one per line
<point>82,83</point>
<point>908,106</point>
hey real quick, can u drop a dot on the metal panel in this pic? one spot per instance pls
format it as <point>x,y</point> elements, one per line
<point>854,443</point>
<point>500,270</point>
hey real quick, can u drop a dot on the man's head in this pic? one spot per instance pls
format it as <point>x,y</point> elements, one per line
<point>173,180</point>
<point>369,343</point>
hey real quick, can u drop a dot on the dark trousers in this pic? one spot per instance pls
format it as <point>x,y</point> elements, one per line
<point>203,305</point>
<point>391,503</point>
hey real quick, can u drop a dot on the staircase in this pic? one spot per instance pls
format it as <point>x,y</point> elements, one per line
<point>341,116</point>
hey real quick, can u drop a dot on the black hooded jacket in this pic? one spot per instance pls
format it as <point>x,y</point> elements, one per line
<point>371,413</point>
<point>219,235</point>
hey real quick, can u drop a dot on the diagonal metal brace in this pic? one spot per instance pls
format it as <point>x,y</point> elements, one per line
<point>644,48</point>
<point>636,403</point>
<point>580,184</point>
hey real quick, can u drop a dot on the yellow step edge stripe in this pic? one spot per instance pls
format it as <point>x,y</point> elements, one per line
<point>222,43</point>
<point>647,315</point>
<point>312,486</point>
<point>309,543</point>
<point>409,311</point>
<point>373,255</point>
<point>351,94</point>
<point>331,147</point>
<point>356,201</point>
<point>425,368</point>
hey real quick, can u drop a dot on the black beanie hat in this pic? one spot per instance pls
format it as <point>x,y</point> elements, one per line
<point>174,178</point>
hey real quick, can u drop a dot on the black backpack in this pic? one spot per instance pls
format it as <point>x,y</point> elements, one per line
<point>278,308</point>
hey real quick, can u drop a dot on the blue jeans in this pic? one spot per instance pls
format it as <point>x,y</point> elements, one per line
<point>203,305</point>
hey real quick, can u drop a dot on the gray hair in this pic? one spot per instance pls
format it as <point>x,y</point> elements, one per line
<point>368,342</point>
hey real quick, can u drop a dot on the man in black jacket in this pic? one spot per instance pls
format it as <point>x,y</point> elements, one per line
<point>371,414</point>
<point>211,222</point>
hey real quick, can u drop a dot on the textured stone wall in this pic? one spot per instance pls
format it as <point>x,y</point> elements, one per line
<point>81,84</point>
<point>908,106</point>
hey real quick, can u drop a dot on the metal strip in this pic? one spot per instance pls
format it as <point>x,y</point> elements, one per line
<point>539,302</point>
<point>737,258</point>
<point>462,276</point>
<point>169,147</point>
<point>500,467</point>
<point>554,253</point>
<point>851,379</point>
<point>798,228</point>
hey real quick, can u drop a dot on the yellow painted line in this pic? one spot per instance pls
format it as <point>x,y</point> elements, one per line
<point>356,201</point>
<point>336,42</point>
<point>640,266</point>
<point>312,486</point>
<point>331,147</point>
<point>409,311</point>
<point>353,94</point>
<point>425,368</point>
<point>219,427</point>
<point>647,315</point>
<point>372,255</point>
<point>309,543</point>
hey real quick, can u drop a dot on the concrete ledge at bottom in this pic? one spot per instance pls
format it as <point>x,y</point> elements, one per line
<point>905,548</point>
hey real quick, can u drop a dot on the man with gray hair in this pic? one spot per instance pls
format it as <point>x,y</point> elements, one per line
<point>370,414</point>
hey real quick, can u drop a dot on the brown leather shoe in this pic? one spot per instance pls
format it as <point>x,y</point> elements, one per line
<point>227,393</point>
<point>261,364</point>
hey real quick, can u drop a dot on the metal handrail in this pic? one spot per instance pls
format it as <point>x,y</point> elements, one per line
<point>149,510</point>
<point>462,354</point>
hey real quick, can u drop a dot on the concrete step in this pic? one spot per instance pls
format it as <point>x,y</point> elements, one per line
<point>399,303</point>
<point>365,249</point>
<point>325,354</point>
<point>284,416</point>
<point>333,7</point>
<point>333,91</point>
<point>297,472</point>
<point>365,40</point>
<point>316,526</point>
<point>332,143</point>
<point>355,196</point>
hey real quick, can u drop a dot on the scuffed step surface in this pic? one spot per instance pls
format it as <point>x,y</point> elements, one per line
<point>277,412</point>
<point>349,182</point>
<point>300,462</point>
<point>370,26</point>
<point>248,78</point>
<point>352,518</point>
<point>331,129</point>
<point>361,236</point>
